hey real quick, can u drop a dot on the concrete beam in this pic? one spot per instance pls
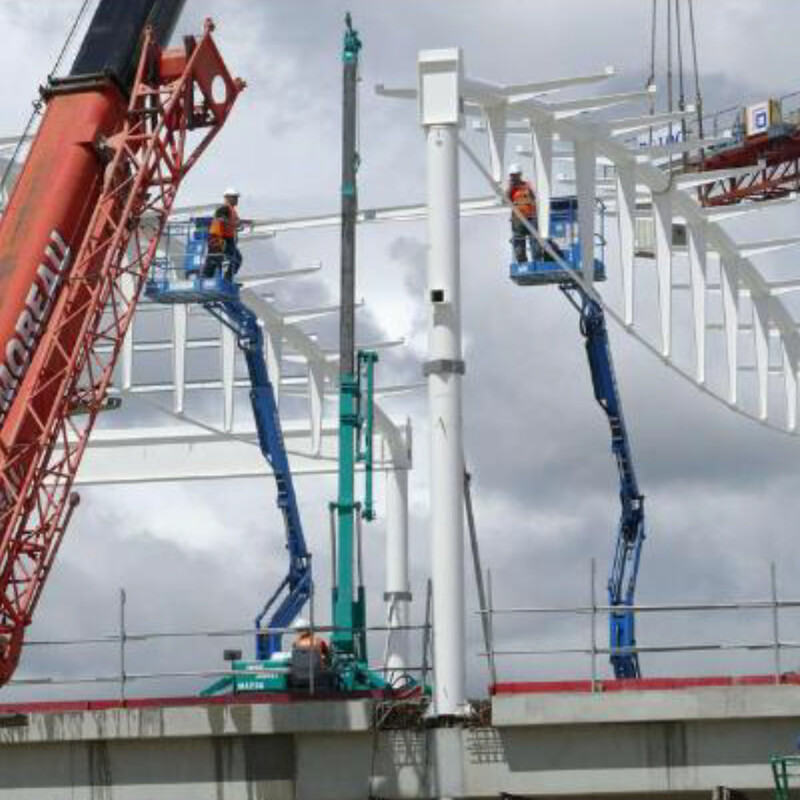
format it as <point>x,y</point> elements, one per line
<point>634,744</point>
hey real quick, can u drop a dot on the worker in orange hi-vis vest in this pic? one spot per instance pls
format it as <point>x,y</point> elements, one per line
<point>306,640</point>
<point>223,235</point>
<point>521,195</point>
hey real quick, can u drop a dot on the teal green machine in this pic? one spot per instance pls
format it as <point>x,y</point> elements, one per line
<point>347,670</point>
<point>356,389</point>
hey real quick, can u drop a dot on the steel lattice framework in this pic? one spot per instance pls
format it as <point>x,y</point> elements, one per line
<point>778,172</point>
<point>633,183</point>
<point>173,95</point>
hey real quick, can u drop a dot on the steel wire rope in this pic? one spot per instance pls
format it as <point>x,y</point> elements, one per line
<point>669,61</point>
<point>38,103</point>
<point>697,94</point>
<point>577,276</point>
<point>651,80</point>
<point>193,421</point>
<point>681,91</point>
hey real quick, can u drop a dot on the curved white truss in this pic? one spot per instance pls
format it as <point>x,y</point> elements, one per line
<point>637,186</point>
<point>285,341</point>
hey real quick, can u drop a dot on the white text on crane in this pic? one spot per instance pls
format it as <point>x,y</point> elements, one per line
<point>40,298</point>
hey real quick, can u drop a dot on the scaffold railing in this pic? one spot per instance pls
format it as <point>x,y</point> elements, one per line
<point>775,644</point>
<point>124,640</point>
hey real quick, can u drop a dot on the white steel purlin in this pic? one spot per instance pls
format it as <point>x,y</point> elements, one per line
<point>215,446</point>
<point>637,185</point>
<point>440,80</point>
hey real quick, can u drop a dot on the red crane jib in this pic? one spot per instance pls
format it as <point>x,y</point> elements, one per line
<point>46,220</point>
<point>76,243</point>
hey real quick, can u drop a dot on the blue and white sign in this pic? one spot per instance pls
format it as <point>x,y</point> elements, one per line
<point>758,118</point>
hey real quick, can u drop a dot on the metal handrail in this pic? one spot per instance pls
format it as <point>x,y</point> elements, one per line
<point>130,677</point>
<point>123,639</point>
<point>677,648</point>
<point>775,644</point>
<point>645,608</point>
<point>115,638</point>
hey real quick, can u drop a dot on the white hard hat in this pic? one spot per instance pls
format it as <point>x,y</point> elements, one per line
<point>301,624</point>
<point>231,192</point>
<point>515,169</point>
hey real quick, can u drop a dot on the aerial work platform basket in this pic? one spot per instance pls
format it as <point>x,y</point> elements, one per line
<point>564,239</point>
<point>198,276</point>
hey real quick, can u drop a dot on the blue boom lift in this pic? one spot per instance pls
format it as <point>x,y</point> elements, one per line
<point>631,531</point>
<point>221,298</point>
<point>348,670</point>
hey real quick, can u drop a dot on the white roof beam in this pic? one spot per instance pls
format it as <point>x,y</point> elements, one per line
<point>545,87</point>
<point>730,307</point>
<point>542,151</point>
<point>783,287</point>
<point>719,213</point>
<point>757,248</point>
<point>674,148</point>
<point>662,217</point>
<point>228,366</point>
<point>645,121</point>
<point>262,280</point>
<point>495,124</point>
<point>626,204</point>
<point>790,384</point>
<point>180,344</point>
<point>188,452</point>
<point>698,264</point>
<point>396,93</point>
<point>690,179</point>
<point>585,176</point>
<point>761,341</point>
<point>298,315</point>
<point>384,344</point>
<point>571,107</point>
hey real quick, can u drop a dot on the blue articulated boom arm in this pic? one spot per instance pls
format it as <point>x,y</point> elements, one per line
<point>631,533</point>
<point>295,589</point>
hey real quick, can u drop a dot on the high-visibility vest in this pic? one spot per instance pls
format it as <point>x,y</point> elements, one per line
<point>521,195</point>
<point>225,227</point>
<point>305,641</point>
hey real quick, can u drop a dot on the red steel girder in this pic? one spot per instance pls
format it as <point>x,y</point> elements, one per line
<point>176,92</point>
<point>779,175</point>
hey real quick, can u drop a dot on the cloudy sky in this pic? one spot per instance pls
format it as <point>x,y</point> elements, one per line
<point>721,496</point>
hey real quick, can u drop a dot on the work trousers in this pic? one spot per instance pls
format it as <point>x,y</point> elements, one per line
<point>230,259</point>
<point>520,236</point>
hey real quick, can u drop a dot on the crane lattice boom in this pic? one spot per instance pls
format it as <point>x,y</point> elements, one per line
<point>64,377</point>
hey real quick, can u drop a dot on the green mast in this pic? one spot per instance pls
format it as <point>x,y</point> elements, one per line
<point>348,612</point>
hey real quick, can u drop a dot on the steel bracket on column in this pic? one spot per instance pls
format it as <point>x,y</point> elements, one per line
<point>444,366</point>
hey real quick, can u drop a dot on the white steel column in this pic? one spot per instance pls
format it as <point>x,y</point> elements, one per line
<point>440,76</point>
<point>398,587</point>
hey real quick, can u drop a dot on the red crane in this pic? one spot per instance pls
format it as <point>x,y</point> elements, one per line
<point>76,242</point>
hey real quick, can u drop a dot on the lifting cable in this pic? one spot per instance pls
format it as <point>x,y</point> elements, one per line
<point>669,59</point>
<point>38,103</point>
<point>651,80</point>
<point>681,91</point>
<point>697,95</point>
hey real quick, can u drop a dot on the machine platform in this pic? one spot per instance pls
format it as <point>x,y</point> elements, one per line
<point>192,289</point>
<point>565,241</point>
<point>540,273</point>
<point>185,283</point>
